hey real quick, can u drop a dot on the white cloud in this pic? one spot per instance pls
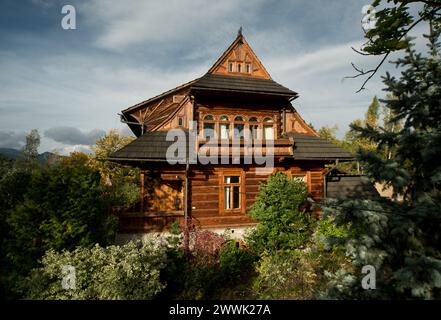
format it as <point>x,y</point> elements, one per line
<point>67,150</point>
<point>127,23</point>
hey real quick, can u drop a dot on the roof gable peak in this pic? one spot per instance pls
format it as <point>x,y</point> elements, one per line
<point>239,60</point>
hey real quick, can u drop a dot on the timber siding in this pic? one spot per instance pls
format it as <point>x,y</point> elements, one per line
<point>236,91</point>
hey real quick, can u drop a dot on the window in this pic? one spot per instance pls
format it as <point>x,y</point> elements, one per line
<point>231,67</point>
<point>180,121</point>
<point>224,126</point>
<point>231,192</point>
<point>268,129</point>
<point>248,68</point>
<point>239,124</point>
<point>209,126</point>
<point>254,128</point>
<point>239,67</point>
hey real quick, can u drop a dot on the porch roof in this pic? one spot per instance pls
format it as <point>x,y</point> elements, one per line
<point>153,146</point>
<point>307,147</point>
<point>350,187</point>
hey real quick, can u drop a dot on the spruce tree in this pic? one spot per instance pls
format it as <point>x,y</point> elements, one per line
<point>401,239</point>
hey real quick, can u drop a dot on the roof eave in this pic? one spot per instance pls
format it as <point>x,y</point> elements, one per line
<point>280,94</point>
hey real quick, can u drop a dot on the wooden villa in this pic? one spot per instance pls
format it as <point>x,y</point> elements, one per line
<point>236,95</point>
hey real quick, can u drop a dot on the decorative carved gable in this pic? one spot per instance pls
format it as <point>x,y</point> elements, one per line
<point>239,60</point>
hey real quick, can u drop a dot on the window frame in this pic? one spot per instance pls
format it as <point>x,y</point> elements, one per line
<point>248,67</point>
<point>224,122</point>
<point>258,126</point>
<point>268,124</point>
<point>242,191</point>
<point>239,67</point>
<point>243,123</point>
<point>213,122</point>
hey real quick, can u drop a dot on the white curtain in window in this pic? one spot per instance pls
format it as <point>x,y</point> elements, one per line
<point>224,130</point>
<point>268,132</point>
<point>227,197</point>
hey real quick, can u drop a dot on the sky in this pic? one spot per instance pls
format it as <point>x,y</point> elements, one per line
<point>71,84</point>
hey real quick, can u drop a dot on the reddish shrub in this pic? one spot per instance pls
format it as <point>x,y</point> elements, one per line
<point>206,245</point>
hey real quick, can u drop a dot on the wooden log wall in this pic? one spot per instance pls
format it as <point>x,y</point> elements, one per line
<point>206,193</point>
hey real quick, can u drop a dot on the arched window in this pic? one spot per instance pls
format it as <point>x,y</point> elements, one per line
<point>230,67</point>
<point>268,129</point>
<point>239,125</point>
<point>254,127</point>
<point>224,125</point>
<point>209,126</point>
<point>239,67</point>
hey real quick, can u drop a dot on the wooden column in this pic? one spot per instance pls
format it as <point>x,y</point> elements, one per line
<point>142,191</point>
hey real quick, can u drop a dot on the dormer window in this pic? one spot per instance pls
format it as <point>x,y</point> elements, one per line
<point>239,67</point>
<point>231,67</point>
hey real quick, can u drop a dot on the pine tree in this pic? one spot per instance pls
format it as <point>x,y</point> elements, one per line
<point>402,240</point>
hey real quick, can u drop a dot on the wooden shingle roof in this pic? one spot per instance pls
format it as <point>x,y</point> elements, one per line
<point>350,187</point>
<point>152,146</point>
<point>307,147</point>
<point>242,84</point>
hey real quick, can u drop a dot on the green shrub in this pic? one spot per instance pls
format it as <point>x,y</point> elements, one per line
<point>281,224</point>
<point>62,208</point>
<point>212,269</point>
<point>236,262</point>
<point>297,274</point>
<point>131,271</point>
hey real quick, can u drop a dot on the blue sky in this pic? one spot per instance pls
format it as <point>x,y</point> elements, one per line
<point>70,84</point>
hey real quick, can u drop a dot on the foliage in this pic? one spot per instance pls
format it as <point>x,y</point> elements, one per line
<point>376,117</point>
<point>236,262</point>
<point>30,151</point>
<point>206,245</point>
<point>131,271</point>
<point>217,270</point>
<point>58,206</point>
<point>302,273</point>
<point>394,21</point>
<point>401,239</point>
<point>121,182</point>
<point>373,113</point>
<point>329,133</point>
<point>281,223</point>
<point>61,208</point>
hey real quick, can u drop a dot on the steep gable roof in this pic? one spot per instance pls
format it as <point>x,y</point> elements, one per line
<point>242,84</point>
<point>239,52</point>
<point>252,78</point>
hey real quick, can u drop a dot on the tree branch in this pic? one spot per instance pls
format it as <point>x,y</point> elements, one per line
<point>373,71</point>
